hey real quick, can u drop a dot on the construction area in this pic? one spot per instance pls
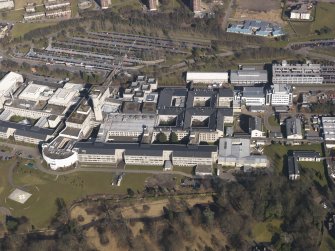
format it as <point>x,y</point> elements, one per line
<point>268,10</point>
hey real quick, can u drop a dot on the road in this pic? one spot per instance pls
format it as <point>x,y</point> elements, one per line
<point>227,15</point>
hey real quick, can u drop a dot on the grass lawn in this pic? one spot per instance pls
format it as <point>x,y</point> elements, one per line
<point>324,17</point>
<point>19,4</point>
<point>74,8</point>
<point>276,154</point>
<point>46,188</point>
<point>22,28</point>
<point>12,15</point>
<point>174,4</point>
<point>16,118</point>
<point>273,121</point>
<point>133,167</point>
<point>4,185</point>
<point>327,243</point>
<point>132,4</point>
<point>263,231</point>
<point>318,167</point>
<point>185,169</point>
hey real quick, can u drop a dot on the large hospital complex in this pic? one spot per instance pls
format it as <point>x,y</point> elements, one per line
<point>145,124</point>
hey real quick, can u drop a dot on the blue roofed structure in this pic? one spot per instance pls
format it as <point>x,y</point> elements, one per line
<point>256,27</point>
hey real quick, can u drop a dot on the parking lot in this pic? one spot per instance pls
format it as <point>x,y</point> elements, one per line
<point>104,51</point>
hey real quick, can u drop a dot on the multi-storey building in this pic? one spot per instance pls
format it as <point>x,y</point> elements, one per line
<point>328,131</point>
<point>53,5</point>
<point>279,95</point>
<point>296,74</point>
<point>131,154</point>
<point>294,128</point>
<point>236,152</point>
<point>253,96</point>
<point>207,77</point>
<point>248,77</point>
<point>256,127</point>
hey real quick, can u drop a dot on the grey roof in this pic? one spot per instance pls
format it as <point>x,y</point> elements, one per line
<point>165,96</point>
<point>253,92</point>
<point>234,147</point>
<point>210,93</point>
<point>293,126</point>
<point>308,154</point>
<point>144,152</point>
<point>3,129</point>
<point>145,149</point>
<point>71,131</point>
<point>26,130</point>
<point>203,111</point>
<point>226,92</point>
<point>291,165</point>
<point>257,76</point>
<point>221,113</point>
<point>255,123</point>
<point>31,134</point>
<point>275,135</point>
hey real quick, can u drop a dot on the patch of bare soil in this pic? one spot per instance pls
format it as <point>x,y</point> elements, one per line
<point>258,5</point>
<point>79,213</point>
<point>145,209</point>
<point>273,16</point>
<point>136,228</point>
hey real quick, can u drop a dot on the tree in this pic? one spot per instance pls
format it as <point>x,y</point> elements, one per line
<point>12,223</point>
<point>161,137</point>
<point>130,192</point>
<point>173,138</point>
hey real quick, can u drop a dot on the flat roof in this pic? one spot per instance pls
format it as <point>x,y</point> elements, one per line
<point>146,149</point>
<point>234,147</point>
<point>130,122</point>
<point>249,75</point>
<point>77,118</point>
<point>206,76</point>
<point>253,92</point>
<point>10,79</point>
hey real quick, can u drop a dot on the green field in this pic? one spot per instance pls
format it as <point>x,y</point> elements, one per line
<point>327,243</point>
<point>133,167</point>
<point>22,28</point>
<point>46,188</point>
<point>318,168</point>
<point>133,4</point>
<point>263,231</point>
<point>324,17</point>
<point>12,15</point>
<point>185,169</point>
<point>19,4</point>
<point>277,153</point>
<point>273,121</point>
<point>74,8</point>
